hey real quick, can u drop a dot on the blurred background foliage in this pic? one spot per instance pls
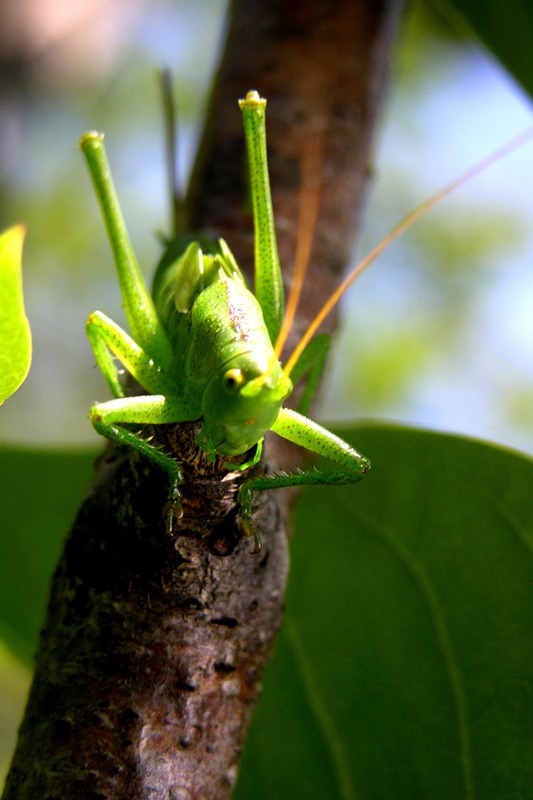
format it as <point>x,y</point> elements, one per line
<point>439,333</point>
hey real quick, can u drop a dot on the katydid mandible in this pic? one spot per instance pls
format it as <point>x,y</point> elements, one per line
<point>204,347</point>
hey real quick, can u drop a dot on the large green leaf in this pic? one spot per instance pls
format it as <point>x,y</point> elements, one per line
<point>506,27</point>
<point>40,493</point>
<point>15,336</point>
<point>405,667</point>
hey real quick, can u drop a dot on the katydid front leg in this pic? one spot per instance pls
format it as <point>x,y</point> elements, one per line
<point>108,339</point>
<point>108,419</point>
<point>304,432</point>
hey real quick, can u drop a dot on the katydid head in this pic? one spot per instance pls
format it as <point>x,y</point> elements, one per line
<point>242,401</point>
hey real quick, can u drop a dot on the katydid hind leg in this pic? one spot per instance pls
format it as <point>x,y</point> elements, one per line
<point>311,364</point>
<point>268,279</point>
<point>108,339</point>
<point>140,311</point>
<point>102,353</point>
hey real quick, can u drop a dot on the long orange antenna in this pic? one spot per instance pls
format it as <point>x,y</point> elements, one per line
<point>312,161</point>
<point>402,226</point>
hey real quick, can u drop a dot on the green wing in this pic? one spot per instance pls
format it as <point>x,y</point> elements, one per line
<point>180,279</point>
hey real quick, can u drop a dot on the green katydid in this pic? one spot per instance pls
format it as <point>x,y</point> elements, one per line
<point>203,346</point>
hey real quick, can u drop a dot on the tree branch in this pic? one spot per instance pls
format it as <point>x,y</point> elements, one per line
<point>154,645</point>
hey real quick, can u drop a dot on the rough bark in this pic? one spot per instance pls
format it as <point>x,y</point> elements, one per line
<point>154,645</point>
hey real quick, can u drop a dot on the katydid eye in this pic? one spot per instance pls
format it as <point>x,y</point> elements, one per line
<point>232,381</point>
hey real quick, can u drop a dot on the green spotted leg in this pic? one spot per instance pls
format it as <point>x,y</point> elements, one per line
<point>108,419</point>
<point>107,340</point>
<point>302,431</point>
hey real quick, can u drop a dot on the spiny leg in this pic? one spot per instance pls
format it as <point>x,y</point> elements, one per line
<point>302,431</point>
<point>108,419</point>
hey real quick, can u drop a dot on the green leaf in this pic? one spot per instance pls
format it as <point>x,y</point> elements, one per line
<point>15,335</point>
<point>405,667</point>
<point>40,493</point>
<point>505,26</point>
